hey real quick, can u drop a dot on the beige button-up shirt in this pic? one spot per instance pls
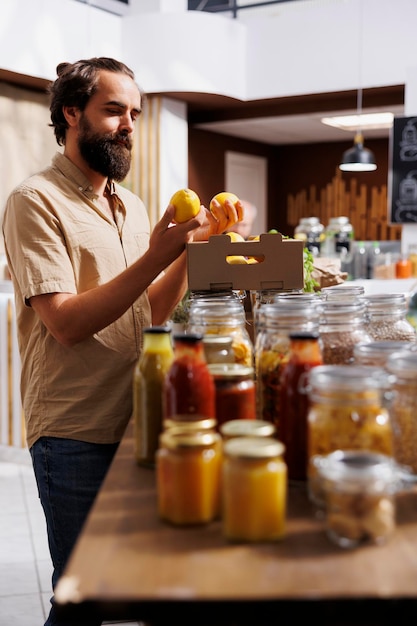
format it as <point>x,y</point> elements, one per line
<point>58,240</point>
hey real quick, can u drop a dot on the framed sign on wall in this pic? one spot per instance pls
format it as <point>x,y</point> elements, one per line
<point>402,176</point>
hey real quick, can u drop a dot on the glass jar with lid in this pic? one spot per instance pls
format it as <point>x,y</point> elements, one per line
<point>376,353</point>
<point>339,235</point>
<point>223,317</point>
<point>342,326</point>
<point>311,231</point>
<point>254,488</point>
<point>348,411</point>
<point>188,473</point>
<point>234,390</point>
<point>342,291</point>
<point>403,366</point>
<point>387,317</point>
<point>359,492</point>
<point>272,349</point>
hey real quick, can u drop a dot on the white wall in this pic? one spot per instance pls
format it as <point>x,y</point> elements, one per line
<point>300,47</point>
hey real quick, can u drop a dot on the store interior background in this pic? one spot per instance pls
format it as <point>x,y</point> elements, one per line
<point>209,74</point>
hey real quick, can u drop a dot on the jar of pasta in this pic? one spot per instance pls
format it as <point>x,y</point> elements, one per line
<point>342,326</point>
<point>403,365</point>
<point>387,317</point>
<point>272,349</point>
<point>223,317</point>
<point>188,471</point>
<point>254,487</point>
<point>348,411</point>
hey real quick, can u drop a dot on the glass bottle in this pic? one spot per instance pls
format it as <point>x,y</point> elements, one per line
<point>148,378</point>
<point>218,316</point>
<point>188,476</point>
<point>189,386</point>
<point>235,391</point>
<point>254,488</point>
<point>305,353</point>
<point>387,317</point>
<point>342,326</point>
<point>276,322</point>
<point>348,411</point>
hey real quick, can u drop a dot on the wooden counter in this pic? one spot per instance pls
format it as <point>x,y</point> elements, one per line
<point>129,565</point>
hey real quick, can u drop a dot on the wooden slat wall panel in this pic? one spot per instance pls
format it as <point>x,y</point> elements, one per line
<point>365,207</point>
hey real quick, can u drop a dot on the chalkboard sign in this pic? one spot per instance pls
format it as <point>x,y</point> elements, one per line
<point>403,171</point>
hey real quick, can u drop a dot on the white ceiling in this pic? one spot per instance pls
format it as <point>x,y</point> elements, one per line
<point>295,129</point>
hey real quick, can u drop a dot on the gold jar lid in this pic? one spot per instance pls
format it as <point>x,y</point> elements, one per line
<point>191,423</point>
<point>247,428</point>
<point>253,448</point>
<point>174,439</point>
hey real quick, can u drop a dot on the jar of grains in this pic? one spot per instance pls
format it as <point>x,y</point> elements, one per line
<point>403,409</point>
<point>376,353</point>
<point>272,349</point>
<point>342,291</point>
<point>387,317</point>
<point>342,326</point>
<point>347,412</point>
<point>227,317</point>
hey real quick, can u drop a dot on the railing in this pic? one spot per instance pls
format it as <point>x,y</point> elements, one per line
<point>12,429</point>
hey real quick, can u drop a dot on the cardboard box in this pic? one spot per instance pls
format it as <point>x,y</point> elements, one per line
<point>280,266</point>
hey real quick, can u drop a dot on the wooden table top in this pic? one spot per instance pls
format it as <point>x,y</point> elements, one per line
<point>129,564</point>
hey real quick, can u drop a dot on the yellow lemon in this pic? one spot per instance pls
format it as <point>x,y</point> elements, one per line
<point>236,260</point>
<point>186,203</point>
<point>235,236</point>
<point>221,198</point>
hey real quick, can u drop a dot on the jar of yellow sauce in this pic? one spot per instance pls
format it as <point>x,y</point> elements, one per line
<point>254,488</point>
<point>188,471</point>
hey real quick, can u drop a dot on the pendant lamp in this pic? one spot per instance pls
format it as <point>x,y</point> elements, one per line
<point>358,158</point>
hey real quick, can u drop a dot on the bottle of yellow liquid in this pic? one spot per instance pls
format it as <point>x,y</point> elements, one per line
<point>148,379</point>
<point>254,485</point>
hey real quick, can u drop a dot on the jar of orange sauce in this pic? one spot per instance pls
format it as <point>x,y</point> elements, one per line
<point>188,472</point>
<point>254,488</point>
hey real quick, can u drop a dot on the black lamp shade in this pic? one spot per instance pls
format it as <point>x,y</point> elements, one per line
<point>358,159</point>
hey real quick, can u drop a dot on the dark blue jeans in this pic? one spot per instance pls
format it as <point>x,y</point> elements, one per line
<point>69,474</point>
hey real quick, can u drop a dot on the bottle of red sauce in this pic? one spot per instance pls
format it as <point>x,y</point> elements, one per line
<point>305,353</point>
<point>189,385</point>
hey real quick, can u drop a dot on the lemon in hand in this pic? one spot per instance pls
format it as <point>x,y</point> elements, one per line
<point>186,203</point>
<point>221,199</point>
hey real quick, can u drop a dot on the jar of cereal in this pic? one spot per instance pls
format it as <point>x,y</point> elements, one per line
<point>342,326</point>
<point>387,317</point>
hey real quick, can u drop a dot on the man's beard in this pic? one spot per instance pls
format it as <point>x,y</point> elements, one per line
<point>104,153</point>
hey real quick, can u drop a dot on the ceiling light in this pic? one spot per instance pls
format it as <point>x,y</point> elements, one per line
<point>358,158</point>
<point>366,121</point>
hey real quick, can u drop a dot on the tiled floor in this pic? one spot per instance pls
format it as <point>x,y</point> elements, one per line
<point>25,565</point>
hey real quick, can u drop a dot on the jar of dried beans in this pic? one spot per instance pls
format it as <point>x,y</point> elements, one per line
<point>348,411</point>
<point>342,326</point>
<point>387,317</point>
<point>272,349</point>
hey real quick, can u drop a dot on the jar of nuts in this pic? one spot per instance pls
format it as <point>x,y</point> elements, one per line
<point>359,492</point>
<point>342,326</point>
<point>387,317</point>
